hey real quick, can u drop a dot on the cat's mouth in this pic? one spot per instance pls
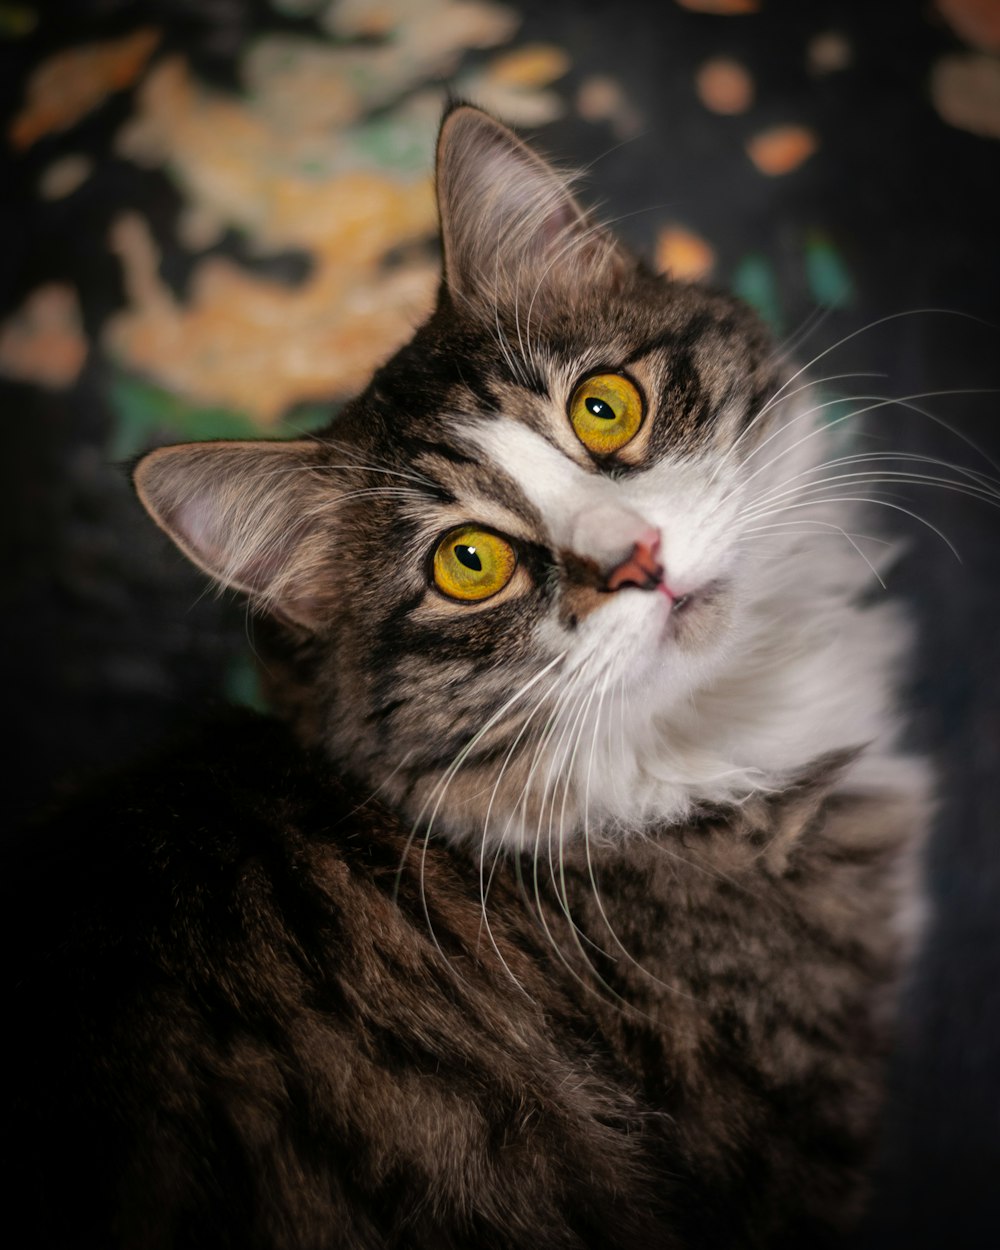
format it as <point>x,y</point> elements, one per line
<point>693,612</point>
<point>679,600</point>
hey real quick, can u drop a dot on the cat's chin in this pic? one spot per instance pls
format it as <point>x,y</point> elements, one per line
<point>678,642</point>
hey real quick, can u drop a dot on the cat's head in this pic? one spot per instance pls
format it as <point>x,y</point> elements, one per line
<point>527,551</point>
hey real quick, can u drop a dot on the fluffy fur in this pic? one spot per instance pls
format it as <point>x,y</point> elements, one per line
<point>597,938</point>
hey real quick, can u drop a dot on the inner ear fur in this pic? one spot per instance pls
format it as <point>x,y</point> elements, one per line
<point>511,230</point>
<point>250,514</point>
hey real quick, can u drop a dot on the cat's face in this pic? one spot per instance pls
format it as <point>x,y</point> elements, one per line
<point>524,547</point>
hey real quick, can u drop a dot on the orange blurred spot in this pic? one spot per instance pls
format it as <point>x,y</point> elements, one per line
<point>724,8</point>
<point>258,346</point>
<point>782,149</point>
<point>828,53</point>
<point>977,21</point>
<point>65,176</point>
<point>71,84</point>
<point>683,255</point>
<point>724,86</point>
<point>601,99</point>
<point>533,66</point>
<point>965,89</point>
<point>43,341</point>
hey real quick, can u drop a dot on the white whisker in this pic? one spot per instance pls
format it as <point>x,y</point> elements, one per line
<point>863,499</point>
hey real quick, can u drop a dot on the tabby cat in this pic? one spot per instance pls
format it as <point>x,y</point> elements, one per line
<point>569,907</point>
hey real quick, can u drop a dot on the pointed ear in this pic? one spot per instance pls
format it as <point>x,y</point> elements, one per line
<point>249,515</point>
<point>510,228</point>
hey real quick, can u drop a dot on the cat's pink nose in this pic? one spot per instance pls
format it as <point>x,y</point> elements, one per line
<point>641,568</point>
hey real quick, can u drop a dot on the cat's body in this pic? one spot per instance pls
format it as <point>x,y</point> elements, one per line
<point>257,1029</point>
<point>582,922</point>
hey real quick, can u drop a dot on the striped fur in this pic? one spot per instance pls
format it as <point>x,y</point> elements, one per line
<point>486,719</point>
<point>663,836</point>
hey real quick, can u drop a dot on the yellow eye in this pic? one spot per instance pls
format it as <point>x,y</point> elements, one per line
<point>606,412</point>
<point>471,563</point>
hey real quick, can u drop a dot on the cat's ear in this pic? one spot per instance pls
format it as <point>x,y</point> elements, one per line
<point>511,230</point>
<point>248,514</point>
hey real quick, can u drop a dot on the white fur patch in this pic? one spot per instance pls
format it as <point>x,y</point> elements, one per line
<point>791,671</point>
<point>566,495</point>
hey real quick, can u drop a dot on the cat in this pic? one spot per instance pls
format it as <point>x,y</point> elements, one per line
<point>569,904</point>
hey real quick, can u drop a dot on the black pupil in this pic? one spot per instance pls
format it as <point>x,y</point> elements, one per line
<point>467,556</point>
<point>598,408</point>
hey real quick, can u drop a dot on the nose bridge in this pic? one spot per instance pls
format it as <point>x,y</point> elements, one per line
<point>619,542</point>
<point>605,534</point>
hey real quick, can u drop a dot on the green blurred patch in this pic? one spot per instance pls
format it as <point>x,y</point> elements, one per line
<point>754,281</point>
<point>399,143</point>
<point>841,413</point>
<point>16,21</point>
<point>829,281</point>
<point>241,683</point>
<point>146,413</point>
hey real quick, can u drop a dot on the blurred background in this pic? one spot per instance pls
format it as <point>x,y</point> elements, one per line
<point>217,217</point>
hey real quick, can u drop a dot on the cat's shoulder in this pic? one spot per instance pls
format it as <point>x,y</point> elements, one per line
<point>211,829</point>
<point>222,785</point>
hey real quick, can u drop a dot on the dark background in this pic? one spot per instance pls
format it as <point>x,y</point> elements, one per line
<point>110,641</point>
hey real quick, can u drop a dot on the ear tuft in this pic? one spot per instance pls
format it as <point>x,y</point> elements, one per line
<point>246,513</point>
<point>510,227</point>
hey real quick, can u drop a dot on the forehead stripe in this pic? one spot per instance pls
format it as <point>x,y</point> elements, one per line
<point>549,479</point>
